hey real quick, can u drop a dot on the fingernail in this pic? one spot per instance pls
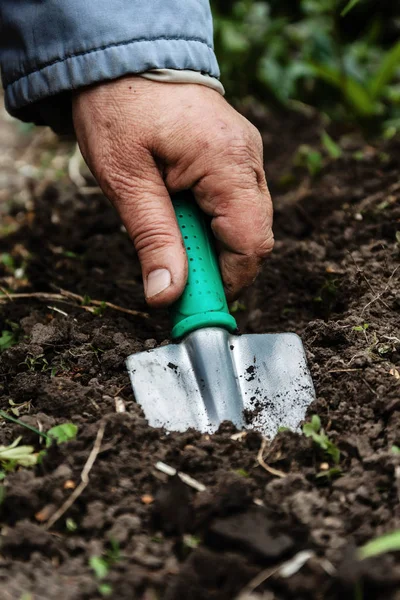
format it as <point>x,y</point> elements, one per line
<point>157,281</point>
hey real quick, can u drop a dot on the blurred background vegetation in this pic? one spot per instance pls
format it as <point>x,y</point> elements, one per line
<point>341,56</point>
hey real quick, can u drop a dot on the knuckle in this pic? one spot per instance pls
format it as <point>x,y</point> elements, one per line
<point>266,246</point>
<point>151,238</point>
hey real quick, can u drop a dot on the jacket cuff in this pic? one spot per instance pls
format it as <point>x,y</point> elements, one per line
<point>184,76</point>
<point>29,96</point>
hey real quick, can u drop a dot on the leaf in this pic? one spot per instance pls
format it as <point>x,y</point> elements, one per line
<point>2,494</point>
<point>390,542</point>
<point>242,472</point>
<point>349,6</point>
<point>398,237</point>
<point>330,473</point>
<point>191,541</point>
<point>71,524</point>
<point>314,162</point>
<point>18,455</point>
<point>99,566</point>
<point>61,433</point>
<point>316,422</point>
<point>395,449</point>
<point>105,589</point>
<point>7,339</point>
<point>314,431</point>
<point>7,260</point>
<point>332,148</point>
<point>355,94</point>
<point>386,71</point>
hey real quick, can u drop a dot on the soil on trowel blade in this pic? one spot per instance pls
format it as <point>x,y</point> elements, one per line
<point>134,532</point>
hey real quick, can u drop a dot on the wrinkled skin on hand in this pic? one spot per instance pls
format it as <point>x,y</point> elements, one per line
<point>145,140</point>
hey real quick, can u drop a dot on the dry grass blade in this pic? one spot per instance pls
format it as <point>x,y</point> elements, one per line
<point>65,295</point>
<point>84,479</point>
<point>263,464</point>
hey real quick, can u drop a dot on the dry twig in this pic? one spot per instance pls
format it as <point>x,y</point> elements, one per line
<point>379,296</point>
<point>263,464</point>
<point>64,295</point>
<point>84,479</point>
<point>200,487</point>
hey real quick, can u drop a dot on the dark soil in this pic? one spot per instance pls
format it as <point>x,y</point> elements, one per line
<point>332,279</point>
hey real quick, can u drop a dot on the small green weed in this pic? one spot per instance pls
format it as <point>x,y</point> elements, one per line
<point>242,472</point>
<point>361,328</point>
<point>237,306</point>
<point>13,456</point>
<point>100,310</point>
<point>61,433</point>
<point>333,149</point>
<point>309,159</point>
<point>101,566</point>
<point>71,525</point>
<point>10,337</point>
<point>191,541</point>
<point>8,261</point>
<point>314,430</point>
<point>327,293</point>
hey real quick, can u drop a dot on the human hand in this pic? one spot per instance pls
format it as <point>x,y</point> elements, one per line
<point>145,140</point>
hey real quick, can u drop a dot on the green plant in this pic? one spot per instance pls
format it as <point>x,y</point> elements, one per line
<point>71,525</point>
<point>10,337</point>
<point>13,456</point>
<point>313,51</point>
<point>308,158</point>
<point>242,472</point>
<point>100,310</point>
<point>61,433</point>
<point>333,149</point>
<point>101,566</point>
<point>349,6</point>
<point>314,430</point>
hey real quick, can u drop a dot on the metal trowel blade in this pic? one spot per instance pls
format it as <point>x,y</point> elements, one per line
<point>258,381</point>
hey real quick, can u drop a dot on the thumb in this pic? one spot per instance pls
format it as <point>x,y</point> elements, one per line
<point>146,210</point>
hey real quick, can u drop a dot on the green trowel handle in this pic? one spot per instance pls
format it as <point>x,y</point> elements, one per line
<point>203,302</point>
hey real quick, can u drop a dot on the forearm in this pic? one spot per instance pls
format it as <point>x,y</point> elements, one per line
<point>50,48</point>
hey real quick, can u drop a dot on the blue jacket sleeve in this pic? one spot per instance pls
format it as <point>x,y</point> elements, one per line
<point>50,47</point>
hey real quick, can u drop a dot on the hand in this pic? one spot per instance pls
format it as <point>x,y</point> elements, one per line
<point>145,140</point>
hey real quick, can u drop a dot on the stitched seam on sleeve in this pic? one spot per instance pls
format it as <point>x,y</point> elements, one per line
<point>99,48</point>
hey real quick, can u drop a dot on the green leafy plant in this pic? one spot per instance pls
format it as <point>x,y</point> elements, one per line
<point>314,52</point>
<point>361,328</point>
<point>314,430</point>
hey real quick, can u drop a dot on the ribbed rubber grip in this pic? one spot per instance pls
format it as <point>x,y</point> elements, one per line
<point>203,302</point>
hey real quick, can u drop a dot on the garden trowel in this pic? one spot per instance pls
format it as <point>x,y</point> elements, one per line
<point>211,373</point>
